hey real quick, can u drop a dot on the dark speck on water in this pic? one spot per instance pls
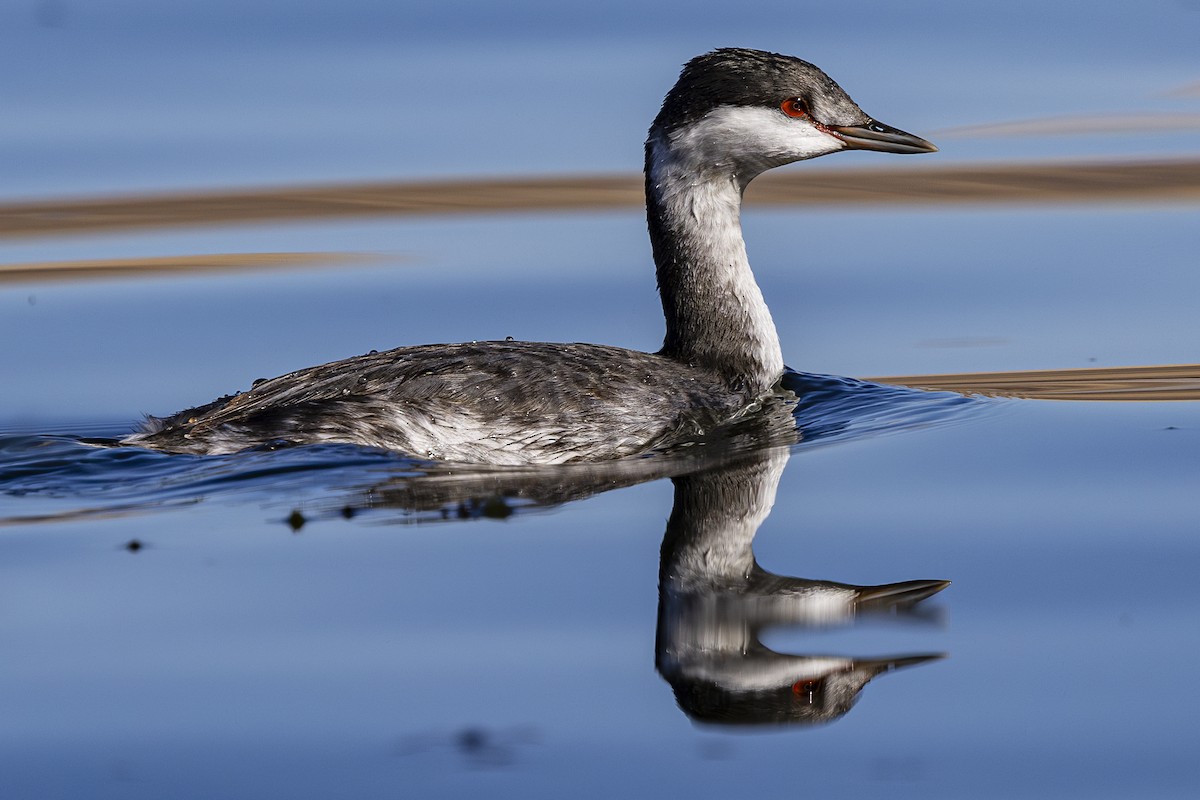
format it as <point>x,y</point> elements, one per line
<point>472,740</point>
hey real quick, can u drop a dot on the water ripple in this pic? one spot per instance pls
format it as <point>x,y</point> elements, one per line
<point>55,477</point>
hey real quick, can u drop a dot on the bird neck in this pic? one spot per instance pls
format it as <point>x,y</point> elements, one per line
<point>716,514</point>
<point>715,313</point>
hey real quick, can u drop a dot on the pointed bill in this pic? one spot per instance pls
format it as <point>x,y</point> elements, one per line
<point>884,138</point>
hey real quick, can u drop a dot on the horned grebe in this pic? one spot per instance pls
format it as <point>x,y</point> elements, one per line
<point>733,114</point>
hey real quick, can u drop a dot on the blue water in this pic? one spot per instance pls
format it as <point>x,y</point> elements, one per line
<point>233,654</point>
<point>289,625</point>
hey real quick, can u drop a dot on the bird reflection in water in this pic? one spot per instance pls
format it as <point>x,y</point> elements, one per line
<point>714,600</point>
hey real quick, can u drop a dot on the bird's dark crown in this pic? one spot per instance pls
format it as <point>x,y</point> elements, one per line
<point>736,76</point>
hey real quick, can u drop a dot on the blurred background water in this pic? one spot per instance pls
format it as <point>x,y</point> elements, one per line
<point>231,656</point>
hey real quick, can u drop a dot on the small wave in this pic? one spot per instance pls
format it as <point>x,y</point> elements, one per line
<point>834,409</point>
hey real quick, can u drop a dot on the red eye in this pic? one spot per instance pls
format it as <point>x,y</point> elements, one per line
<point>794,107</point>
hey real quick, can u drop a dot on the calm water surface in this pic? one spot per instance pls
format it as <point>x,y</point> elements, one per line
<point>327,621</point>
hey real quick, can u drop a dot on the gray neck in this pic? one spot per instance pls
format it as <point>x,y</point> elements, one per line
<point>707,546</point>
<point>716,316</point>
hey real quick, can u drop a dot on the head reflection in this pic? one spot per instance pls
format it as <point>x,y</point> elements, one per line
<point>714,602</point>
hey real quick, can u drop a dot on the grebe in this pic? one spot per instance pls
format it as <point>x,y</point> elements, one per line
<point>733,114</point>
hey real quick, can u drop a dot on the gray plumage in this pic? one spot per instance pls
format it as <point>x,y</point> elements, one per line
<point>482,402</point>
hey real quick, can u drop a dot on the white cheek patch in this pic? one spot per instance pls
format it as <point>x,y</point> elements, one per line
<point>751,139</point>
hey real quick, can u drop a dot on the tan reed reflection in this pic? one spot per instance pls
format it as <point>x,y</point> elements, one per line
<point>1173,180</point>
<point>168,265</point>
<point>1079,125</point>
<point>1167,382</point>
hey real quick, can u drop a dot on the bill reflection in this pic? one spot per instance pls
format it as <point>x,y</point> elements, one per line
<point>714,602</point>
